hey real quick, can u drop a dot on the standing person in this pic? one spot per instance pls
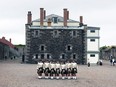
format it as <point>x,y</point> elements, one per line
<point>46,67</point>
<point>88,63</point>
<point>52,70</point>
<point>113,61</point>
<point>68,70</point>
<point>57,70</point>
<point>40,69</point>
<point>74,69</point>
<point>63,70</point>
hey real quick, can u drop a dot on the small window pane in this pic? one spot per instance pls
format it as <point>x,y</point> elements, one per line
<point>48,56</point>
<point>62,56</point>
<point>74,56</point>
<point>42,56</point>
<point>92,55</point>
<point>92,31</point>
<point>55,19</point>
<point>93,40</point>
<point>36,56</point>
<point>42,48</point>
<point>36,32</point>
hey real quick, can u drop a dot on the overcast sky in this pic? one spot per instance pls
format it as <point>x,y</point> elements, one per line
<point>98,13</point>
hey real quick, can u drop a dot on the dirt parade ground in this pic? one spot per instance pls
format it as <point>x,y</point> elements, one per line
<point>15,74</point>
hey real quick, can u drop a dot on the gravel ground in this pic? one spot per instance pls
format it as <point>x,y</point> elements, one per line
<point>15,74</point>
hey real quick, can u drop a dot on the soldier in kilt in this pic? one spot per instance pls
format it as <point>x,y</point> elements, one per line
<point>57,70</point>
<point>40,69</point>
<point>74,70</point>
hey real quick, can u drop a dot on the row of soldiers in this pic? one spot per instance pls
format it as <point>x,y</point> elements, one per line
<point>57,70</point>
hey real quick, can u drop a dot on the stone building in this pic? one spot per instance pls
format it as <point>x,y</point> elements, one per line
<point>7,49</point>
<point>54,37</point>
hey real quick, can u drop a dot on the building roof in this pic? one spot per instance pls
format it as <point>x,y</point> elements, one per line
<point>6,42</point>
<point>60,18</point>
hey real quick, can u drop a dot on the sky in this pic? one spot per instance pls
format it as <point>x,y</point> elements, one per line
<point>98,13</point>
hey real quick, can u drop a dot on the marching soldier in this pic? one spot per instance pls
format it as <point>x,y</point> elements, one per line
<point>46,67</point>
<point>52,70</point>
<point>74,69</point>
<point>63,70</point>
<point>57,70</point>
<point>68,69</point>
<point>40,69</point>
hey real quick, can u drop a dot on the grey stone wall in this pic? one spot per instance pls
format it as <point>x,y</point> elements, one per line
<point>56,42</point>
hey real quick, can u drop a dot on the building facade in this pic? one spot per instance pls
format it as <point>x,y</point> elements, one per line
<point>7,49</point>
<point>108,52</point>
<point>54,37</point>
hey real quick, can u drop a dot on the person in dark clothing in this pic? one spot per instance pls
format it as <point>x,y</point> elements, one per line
<point>88,64</point>
<point>23,58</point>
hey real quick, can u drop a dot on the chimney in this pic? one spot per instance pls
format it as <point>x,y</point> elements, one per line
<point>65,17</point>
<point>41,16</point>
<point>49,22</point>
<point>3,38</point>
<point>29,17</point>
<point>44,14</point>
<point>10,40</point>
<point>81,21</point>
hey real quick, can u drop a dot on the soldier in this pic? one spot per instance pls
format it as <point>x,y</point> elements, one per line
<point>57,70</point>
<point>68,70</point>
<point>74,69</point>
<point>40,69</point>
<point>46,67</point>
<point>52,70</point>
<point>63,70</point>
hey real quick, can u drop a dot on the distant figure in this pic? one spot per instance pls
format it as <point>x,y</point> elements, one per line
<point>5,57</point>
<point>23,58</point>
<point>100,63</point>
<point>14,57</point>
<point>88,64</point>
<point>113,62</point>
<point>111,59</point>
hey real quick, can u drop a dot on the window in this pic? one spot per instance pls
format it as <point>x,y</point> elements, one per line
<point>36,56</point>
<point>42,47</point>
<point>36,33</point>
<point>92,31</point>
<point>42,56</point>
<point>63,56</point>
<point>48,56</point>
<point>92,40</point>
<point>68,47</point>
<point>74,56</point>
<point>55,19</point>
<point>56,33</point>
<point>74,33</point>
<point>92,55</point>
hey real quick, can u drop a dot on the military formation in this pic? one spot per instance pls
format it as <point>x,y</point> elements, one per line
<point>57,70</point>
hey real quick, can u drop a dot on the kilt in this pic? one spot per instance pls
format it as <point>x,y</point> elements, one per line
<point>52,71</point>
<point>40,70</point>
<point>74,70</point>
<point>58,71</point>
<point>46,70</point>
<point>69,70</point>
<point>63,71</point>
